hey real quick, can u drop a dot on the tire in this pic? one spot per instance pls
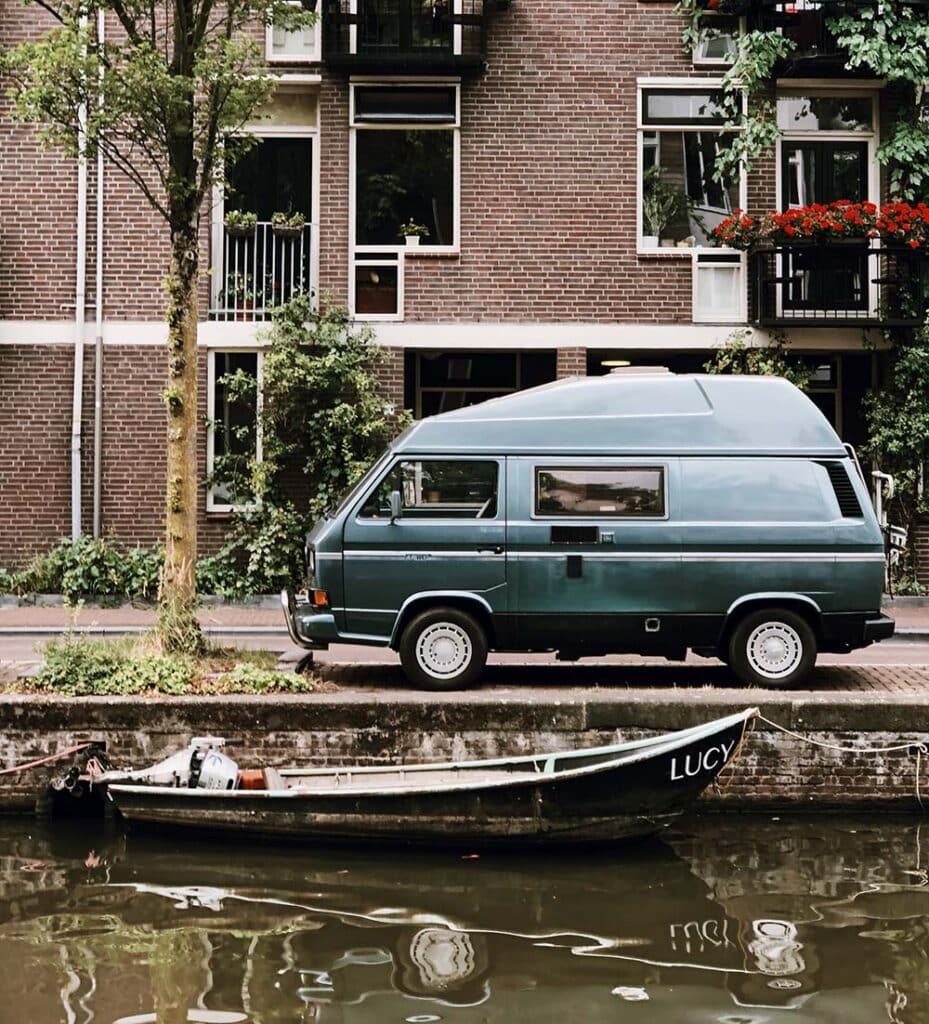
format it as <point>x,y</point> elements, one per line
<point>443,649</point>
<point>772,648</point>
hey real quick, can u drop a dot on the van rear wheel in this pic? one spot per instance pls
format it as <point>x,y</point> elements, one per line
<point>773,647</point>
<point>443,649</point>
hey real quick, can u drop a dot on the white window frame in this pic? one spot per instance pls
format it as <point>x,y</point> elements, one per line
<point>735,258</point>
<point>683,84</point>
<point>827,87</point>
<point>370,259</point>
<point>402,251</point>
<point>315,57</point>
<point>212,503</point>
<point>715,62</point>
<point>218,208</point>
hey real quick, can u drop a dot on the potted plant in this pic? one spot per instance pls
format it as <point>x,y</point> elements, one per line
<point>413,232</point>
<point>239,223</point>
<point>288,225</point>
<point>662,203</point>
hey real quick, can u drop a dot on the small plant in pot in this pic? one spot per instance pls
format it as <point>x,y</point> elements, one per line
<point>662,204</point>
<point>288,225</point>
<point>239,223</point>
<point>413,232</point>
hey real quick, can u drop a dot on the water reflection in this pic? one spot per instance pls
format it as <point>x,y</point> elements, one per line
<point>737,921</point>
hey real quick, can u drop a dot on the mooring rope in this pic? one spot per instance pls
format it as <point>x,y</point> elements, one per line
<point>913,749</point>
<point>46,760</point>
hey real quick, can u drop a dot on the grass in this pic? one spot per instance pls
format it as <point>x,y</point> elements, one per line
<point>83,666</point>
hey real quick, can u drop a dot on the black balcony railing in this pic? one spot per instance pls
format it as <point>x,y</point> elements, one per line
<point>424,36</point>
<point>839,285</point>
<point>804,23</point>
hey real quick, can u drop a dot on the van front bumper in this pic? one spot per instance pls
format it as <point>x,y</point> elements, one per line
<point>306,626</point>
<point>847,631</point>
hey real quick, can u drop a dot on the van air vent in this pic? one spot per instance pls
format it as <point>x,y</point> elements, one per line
<point>849,505</point>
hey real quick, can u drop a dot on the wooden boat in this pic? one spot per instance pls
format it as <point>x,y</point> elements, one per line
<point>580,796</point>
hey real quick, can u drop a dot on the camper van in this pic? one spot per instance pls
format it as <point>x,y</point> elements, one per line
<point>645,513</point>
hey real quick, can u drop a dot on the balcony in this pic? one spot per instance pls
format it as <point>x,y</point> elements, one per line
<point>803,22</point>
<point>260,270</point>
<point>839,285</point>
<point>406,36</point>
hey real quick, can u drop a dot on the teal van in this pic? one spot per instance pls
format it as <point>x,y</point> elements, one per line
<point>646,513</point>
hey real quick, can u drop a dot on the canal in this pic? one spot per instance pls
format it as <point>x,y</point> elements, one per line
<point>730,920</point>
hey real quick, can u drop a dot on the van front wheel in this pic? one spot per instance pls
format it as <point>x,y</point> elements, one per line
<point>772,647</point>
<point>443,649</point>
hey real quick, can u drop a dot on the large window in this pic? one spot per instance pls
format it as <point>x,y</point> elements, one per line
<point>405,168</point>
<point>442,381</point>
<point>434,489</point>
<point>680,139</point>
<point>629,491</point>
<point>233,439</point>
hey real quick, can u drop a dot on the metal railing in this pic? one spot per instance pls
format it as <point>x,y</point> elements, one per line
<point>413,33</point>
<point>836,285</point>
<point>260,270</point>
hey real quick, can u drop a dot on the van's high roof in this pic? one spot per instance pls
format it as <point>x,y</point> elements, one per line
<point>636,414</point>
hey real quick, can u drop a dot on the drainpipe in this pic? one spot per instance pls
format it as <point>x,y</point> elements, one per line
<point>98,333</point>
<point>77,399</point>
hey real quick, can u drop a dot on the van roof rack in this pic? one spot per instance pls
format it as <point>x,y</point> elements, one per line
<point>641,371</point>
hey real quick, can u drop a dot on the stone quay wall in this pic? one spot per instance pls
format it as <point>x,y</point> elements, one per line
<point>773,772</point>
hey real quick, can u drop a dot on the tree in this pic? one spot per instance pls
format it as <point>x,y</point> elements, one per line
<point>323,422</point>
<point>165,99</point>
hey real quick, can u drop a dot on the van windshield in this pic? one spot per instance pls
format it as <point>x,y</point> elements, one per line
<point>349,494</point>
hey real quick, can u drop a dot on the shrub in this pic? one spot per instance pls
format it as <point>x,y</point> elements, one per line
<point>81,666</point>
<point>90,568</point>
<point>246,678</point>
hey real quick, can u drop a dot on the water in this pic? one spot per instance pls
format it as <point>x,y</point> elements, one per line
<point>729,920</point>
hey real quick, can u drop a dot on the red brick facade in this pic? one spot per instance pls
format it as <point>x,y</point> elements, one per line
<point>548,221</point>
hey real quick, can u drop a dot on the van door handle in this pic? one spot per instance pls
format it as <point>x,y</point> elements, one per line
<point>497,549</point>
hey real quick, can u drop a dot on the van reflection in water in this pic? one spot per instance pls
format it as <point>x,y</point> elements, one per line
<point>746,921</point>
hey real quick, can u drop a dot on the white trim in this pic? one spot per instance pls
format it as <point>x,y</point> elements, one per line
<point>212,505</point>
<point>717,62</point>
<point>291,58</point>
<point>371,260</point>
<point>450,336</point>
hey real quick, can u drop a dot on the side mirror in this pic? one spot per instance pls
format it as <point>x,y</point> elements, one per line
<point>396,506</point>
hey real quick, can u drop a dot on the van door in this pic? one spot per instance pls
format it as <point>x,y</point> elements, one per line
<point>594,553</point>
<point>450,538</point>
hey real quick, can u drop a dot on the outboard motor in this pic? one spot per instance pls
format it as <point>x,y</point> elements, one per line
<point>201,765</point>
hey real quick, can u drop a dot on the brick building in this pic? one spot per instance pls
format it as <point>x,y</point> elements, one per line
<point>519,135</point>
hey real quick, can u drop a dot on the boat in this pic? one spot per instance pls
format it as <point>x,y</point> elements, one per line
<point>589,795</point>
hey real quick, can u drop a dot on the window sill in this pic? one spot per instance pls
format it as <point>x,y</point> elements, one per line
<point>669,252</point>
<point>420,252</point>
<point>221,513</point>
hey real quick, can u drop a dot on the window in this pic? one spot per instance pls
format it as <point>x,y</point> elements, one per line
<point>718,41</point>
<point>442,381</point>
<point>437,490</point>
<point>680,140</point>
<point>719,294</point>
<point>633,491</point>
<point>828,113</point>
<point>233,437</point>
<point>405,169</point>
<point>301,46</point>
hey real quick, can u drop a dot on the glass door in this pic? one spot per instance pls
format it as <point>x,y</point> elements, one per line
<point>824,281</point>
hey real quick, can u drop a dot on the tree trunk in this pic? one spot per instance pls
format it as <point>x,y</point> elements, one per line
<point>177,623</point>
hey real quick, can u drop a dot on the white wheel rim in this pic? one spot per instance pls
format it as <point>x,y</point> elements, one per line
<point>444,650</point>
<point>774,650</point>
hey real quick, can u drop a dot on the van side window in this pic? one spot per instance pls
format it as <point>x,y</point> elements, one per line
<point>600,491</point>
<point>434,489</point>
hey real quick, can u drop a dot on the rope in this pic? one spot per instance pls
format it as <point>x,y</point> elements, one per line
<point>917,749</point>
<point>721,787</point>
<point>46,760</point>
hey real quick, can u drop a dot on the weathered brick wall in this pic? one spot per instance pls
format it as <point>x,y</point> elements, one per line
<point>773,770</point>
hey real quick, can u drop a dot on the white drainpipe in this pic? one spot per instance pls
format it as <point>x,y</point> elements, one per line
<point>77,400</point>
<point>98,334</point>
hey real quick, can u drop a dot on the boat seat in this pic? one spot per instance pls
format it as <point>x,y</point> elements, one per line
<point>273,779</point>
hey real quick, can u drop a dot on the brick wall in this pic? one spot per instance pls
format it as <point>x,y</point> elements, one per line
<point>571,362</point>
<point>773,770</point>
